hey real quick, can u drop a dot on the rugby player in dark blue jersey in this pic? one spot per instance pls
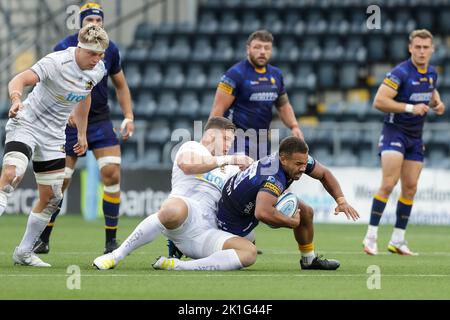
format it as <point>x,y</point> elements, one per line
<point>247,93</point>
<point>250,196</point>
<point>101,137</point>
<point>406,95</point>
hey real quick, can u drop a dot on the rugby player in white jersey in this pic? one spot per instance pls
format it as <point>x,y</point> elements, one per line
<point>36,128</point>
<point>188,216</point>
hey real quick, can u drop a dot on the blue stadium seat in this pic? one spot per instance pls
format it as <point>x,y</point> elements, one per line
<point>288,49</point>
<point>348,75</point>
<point>327,75</point>
<point>250,22</point>
<point>159,132</point>
<point>208,23</point>
<point>180,49</point>
<point>214,75</point>
<point>174,77</point>
<point>272,22</point>
<point>167,104</point>
<point>152,76</point>
<point>159,50</point>
<point>398,48</point>
<point>202,50</point>
<point>195,77</point>
<point>145,105</point>
<point>224,50</point>
<point>229,23</point>
<point>188,105</point>
<point>290,20</point>
<point>132,75</point>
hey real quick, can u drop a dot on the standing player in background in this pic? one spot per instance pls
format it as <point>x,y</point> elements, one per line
<point>406,95</point>
<point>101,137</point>
<point>35,130</point>
<point>248,91</point>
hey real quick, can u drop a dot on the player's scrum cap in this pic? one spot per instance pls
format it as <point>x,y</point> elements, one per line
<point>90,9</point>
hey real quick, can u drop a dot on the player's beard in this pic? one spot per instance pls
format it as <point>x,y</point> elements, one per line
<point>256,63</point>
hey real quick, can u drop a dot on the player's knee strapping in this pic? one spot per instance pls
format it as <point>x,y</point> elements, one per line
<point>20,161</point>
<point>104,161</point>
<point>55,180</point>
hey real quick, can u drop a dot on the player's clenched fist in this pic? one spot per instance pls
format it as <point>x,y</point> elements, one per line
<point>420,109</point>
<point>15,108</point>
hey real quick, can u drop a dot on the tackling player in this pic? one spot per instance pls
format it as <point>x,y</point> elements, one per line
<point>35,130</point>
<point>188,216</point>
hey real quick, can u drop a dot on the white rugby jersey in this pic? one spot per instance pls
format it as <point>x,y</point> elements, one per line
<point>205,188</point>
<point>62,84</point>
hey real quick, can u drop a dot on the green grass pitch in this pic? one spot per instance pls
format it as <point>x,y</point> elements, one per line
<point>276,274</point>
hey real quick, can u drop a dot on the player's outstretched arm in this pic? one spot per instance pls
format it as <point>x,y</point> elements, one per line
<point>332,186</point>
<point>384,101</point>
<point>125,102</point>
<point>15,88</point>
<point>191,162</point>
<point>266,212</point>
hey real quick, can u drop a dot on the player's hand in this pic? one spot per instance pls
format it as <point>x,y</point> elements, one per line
<point>242,161</point>
<point>15,108</point>
<point>420,109</point>
<point>349,211</point>
<point>81,146</point>
<point>439,109</point>
<point>71,122</point>
<point>296,132</point>
<point>127,128</point>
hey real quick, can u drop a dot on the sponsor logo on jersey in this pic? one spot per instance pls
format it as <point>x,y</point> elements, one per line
<point>89,85</point>
<point>272,79</point>
<point>264,96</point>
<point>420,96</point>
<point>396,144</point>
<point>272,188</point>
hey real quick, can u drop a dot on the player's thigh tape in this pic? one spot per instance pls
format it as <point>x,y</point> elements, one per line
<point>68,172</point>
<point>50,179</point>
<point>103,161</point>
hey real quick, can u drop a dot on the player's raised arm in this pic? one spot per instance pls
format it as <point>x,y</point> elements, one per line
<point>266,212</point>
<point>222,102</point>
<point>332,186</point>
<point>15,88</point>
<point>191,162</point>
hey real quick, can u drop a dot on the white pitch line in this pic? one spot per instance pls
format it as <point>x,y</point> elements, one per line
<point>196,274</point>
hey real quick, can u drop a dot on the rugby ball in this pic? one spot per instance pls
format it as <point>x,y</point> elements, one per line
<point>287,204</point>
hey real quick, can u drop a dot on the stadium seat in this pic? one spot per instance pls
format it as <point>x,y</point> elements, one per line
<point>159,132</point>
<point>167,104</point>
<point>348,75</point>
<point>195,77</point>
<point>202,50</point>
<point>133,75</point>
<point>208,23</point>
<point>145,105</point>
<point>206,103</point>
<point>376,48</point>
<point>327,75</point>
<point>180,50</point>
<point>288,49</point>
<point>174,77</point>
<point>152,155</point>
<point>272,22</point>
<point>215,73</point>
<point>229,23</point>
<point>224,50</point>
<point>188,105</point>
<point>152,76</point>
<point>250,22</point>
<point>398,48</point>
<point>290,20</point>
<point>159,50</point>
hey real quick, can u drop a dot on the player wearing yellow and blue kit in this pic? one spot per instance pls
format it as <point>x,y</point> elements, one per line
<point>101,137</point>
<point>406,95</point>
<point>247,93</point>
<point>250,196</point>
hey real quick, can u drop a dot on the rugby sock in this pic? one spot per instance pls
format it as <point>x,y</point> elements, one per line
<point>3,201</point>
<point>403,212</point>
<point>111,207</point>
<point>307,252</point>
<point>378,205</point>
<point>372,232</point>
<point>398,235</point>
<point>144,233</point>
<point>45,236</point>
<point>224,260</point>
<point>35,225</point>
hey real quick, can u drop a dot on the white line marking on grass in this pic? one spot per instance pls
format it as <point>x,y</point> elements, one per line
<point>198,274</point>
